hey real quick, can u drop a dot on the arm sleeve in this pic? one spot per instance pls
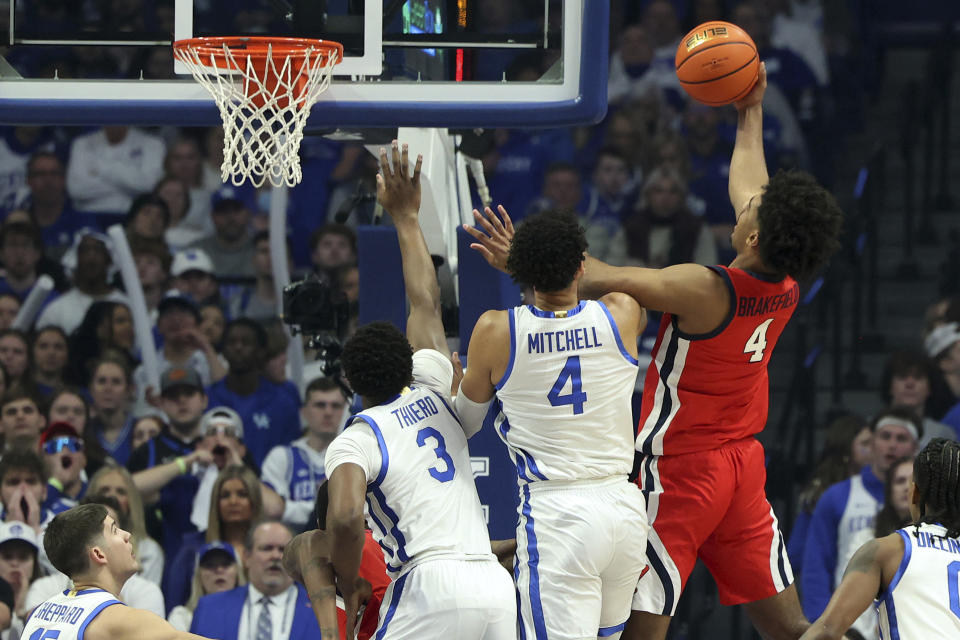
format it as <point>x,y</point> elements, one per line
<point>358,445</point>
<point>471,413</point>
<point>820,551</point>
<point>432,369</point>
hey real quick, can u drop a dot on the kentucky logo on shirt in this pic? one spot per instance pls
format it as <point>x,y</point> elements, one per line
<point>261,420</point>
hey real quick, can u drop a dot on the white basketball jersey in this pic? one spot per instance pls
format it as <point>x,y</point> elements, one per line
<point>66,616</point>
<point>424,503</point>
<point>923,600</point>
<point>565,397</point>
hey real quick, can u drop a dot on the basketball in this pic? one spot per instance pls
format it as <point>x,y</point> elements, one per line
<point>717,63</point>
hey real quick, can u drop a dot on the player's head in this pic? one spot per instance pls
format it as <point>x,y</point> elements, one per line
<point>792,226</point>
<point>547,251</point>
<point>378,362</point>
<point>936,494</point>
<point>84,540</point>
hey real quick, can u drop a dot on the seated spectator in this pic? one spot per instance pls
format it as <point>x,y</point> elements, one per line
<point>217,571</point>
<point>62,449</point>
<point>845,515</point>
<point>146,428</point>
<point>9,308</point>
<point>111,166</point>
<point>92,255</point>
<point>17,146</point>
<point>137,591</point>
<point>230,614</point>
<point>20,419</point>
<point>184,162</point>
<point>19,547</point>
<point>163,467</point>
<point>118,484</point>
<point>906,383</point>
<point>609,197</point>
<point>270,411</point>
<point>194,276</point>
<point>231,246</point>
<point>111,394</point>
<point>180,233</point>
<point>709,168</point>
<point>105,332</point>
<point>562,190</point>
<point>788,30</point>
<point>663,231</point>
<point>237,507</point>
<point>148,218</point>
<point>49,207</point>
<point>846,450</point>
<point>295,471</point>
<point>15,356</point>
<point>332,247</point>
<point>68,404</point>
<point>184,345</point>
<point>518,162</point>
<point>258,301</point>
<point>275,355</point>
<point>212,323</point>
<point>50,358</point>
<point>21,250</point>
<point>23,488</point>
<point>895,513</point>
<point>153,262</point>
<point>631,74</point>
<point>943,345</point>
<point>623,134</point>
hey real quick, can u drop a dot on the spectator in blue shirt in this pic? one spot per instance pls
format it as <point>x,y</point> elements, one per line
<point>21,249</point>
<point>49,206</point>
<point>270,411</point>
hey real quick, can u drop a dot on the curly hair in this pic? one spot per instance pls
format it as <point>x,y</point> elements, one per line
<point>936,473</point>
<point>547,250</point>
<point>799,224</point>
<point>378,361</point>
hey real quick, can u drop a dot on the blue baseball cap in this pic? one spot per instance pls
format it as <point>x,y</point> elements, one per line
<point>212,547</point>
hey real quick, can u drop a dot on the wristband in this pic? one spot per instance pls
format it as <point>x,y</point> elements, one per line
<point>56,484</point>
<point>182,465</point>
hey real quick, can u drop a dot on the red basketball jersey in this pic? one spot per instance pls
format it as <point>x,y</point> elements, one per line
<point>702,391</point>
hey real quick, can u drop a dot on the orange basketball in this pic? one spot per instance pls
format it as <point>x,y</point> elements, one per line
<point>717,63</point>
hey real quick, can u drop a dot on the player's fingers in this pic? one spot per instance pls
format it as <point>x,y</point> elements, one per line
<point>473,231</point>
<point>404,160</point>
<point>416,170</point>
<point>494,220</point>
<point>384,163</point>
<point>483,222</point>
<point>482,250</point>
<point>507,222</point>
<point>395,155</point>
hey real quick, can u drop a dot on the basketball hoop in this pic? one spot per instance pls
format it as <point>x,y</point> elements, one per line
<point>264,88</point>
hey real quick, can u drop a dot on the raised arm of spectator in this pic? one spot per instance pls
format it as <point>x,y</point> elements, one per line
<point>748,167</point>
<point>398,191</point>
<point>151,480</point>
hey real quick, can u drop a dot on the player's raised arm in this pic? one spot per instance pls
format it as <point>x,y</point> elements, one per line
<point>869,571</point>
<point>119,621</point>
<point>748,167</point>
<point>398,191</point>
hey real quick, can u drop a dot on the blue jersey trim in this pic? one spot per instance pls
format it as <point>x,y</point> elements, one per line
<point>384,455</point>
<point>616,335</point>
<point>93,614</point>
<point>383,530</point>
<point>907,552</point>
<point>603,632</point>
<point>540,313</point>
<point>392,609</point>
<point>447,406</point>
<point>891,618</point>
<point>533,561</point>
<point>513,349</point>
<point>394,523</point>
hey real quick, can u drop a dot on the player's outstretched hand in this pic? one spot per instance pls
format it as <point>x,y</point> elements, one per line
<point>493,243</point>
<point>353,596</point>
<point>755,96</point>
<point>398,192</point>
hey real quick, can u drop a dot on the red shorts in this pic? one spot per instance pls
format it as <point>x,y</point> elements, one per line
<point>711,505</point>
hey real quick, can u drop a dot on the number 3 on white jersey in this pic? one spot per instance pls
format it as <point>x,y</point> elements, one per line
<point>758,341</point>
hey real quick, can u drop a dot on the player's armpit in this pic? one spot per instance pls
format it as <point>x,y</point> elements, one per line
<point>487,355</point>
<point>119,621</point>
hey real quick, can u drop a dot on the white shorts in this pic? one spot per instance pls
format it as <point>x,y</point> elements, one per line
<point>445,598</point>
<point>581,547</point>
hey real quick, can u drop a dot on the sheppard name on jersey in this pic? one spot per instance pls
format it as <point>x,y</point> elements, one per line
<point>753,306</point>
<point>925,539</point>
<point>559,341</point>
<point>52,612</point>
<point>410,414</point>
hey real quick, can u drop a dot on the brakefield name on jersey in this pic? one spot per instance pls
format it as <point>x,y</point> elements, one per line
<point>410,414</point>
<point>560,341</point>
<point>754,306</point>
<point>53,612</point>
<point>928,540</point>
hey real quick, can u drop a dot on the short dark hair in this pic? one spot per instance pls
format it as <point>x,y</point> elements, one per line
<point>258,330</point>
<point>904,363</point>
<point>43,154</point>
<point>228,205</point>
<point>23,459</point>
<point>70,534</point>
<point>560,166</point>
<point>24,230</point>
<point>19,392</point>
<point>108,501</point>
<point>323,383</point>
<point>155,247</point>
<point>799,224</point>
<point>378,361</point>
<point>144,200</point>
<point>901,413</point>
<point>612,152</point>
<point>546,251</point>
<point>334,228</point>
<point>936,473</point>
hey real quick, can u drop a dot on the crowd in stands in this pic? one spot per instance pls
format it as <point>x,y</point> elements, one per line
<point>227,438</point>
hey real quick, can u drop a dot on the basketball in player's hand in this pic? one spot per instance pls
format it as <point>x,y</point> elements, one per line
<point>717,63</point>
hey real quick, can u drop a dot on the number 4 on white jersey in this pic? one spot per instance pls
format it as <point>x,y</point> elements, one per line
<point>758,341</point>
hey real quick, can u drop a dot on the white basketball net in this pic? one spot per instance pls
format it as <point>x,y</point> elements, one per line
<point>262,142</point>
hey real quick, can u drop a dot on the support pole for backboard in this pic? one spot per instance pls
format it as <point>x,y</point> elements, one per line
<point>281,273</point>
